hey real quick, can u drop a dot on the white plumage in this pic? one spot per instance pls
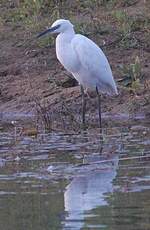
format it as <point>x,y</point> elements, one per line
<point>83,58</point>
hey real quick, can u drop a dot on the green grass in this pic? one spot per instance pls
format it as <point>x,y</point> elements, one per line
<point>132,74</point>
<point>35,15</point>
<point>124,22</point>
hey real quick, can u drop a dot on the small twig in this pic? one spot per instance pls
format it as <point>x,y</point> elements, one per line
<point>114,160</point>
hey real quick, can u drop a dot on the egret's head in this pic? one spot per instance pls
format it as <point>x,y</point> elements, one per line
<point>59,26</point>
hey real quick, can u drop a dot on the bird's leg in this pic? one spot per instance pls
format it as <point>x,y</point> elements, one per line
<point>99,107</point>
<point>83,106</point>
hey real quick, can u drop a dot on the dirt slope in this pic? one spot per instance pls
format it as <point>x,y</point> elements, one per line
<point>30,73</point>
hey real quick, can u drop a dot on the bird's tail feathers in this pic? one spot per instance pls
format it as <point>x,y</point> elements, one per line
<point>108,89</point>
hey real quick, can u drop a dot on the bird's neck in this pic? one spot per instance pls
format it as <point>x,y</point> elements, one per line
<point>67,35</point>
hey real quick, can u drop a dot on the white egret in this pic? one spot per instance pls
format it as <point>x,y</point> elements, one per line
<point>84,60</point>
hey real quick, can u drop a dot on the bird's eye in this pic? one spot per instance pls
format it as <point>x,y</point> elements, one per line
<point>57,26</point>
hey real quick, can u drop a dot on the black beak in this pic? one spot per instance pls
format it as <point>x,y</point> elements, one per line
<point>50,30</point>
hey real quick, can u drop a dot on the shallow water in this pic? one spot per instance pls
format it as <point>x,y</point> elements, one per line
<point>76,180</point>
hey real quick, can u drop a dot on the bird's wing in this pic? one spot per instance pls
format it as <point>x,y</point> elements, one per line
<point>93,60</point>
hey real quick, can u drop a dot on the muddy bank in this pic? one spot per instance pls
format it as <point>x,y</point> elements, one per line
<point>33,82</point>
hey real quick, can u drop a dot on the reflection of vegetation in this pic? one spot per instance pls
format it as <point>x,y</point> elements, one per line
<point>32,208</point>
<point>127,205</point>
<point>125,209</point>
